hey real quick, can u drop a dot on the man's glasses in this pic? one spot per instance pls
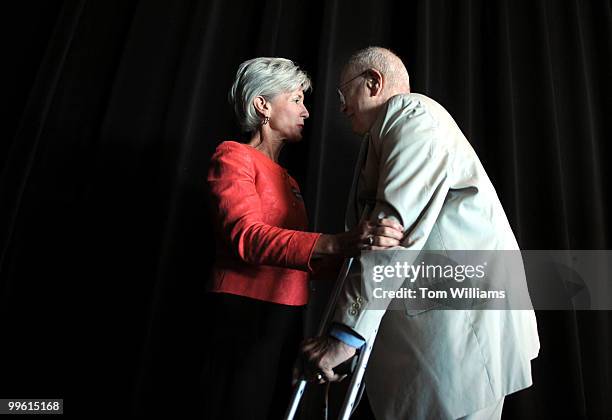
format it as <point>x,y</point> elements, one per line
<point>341,95</point>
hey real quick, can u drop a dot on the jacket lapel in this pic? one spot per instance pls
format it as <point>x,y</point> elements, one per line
<point>353,211</point>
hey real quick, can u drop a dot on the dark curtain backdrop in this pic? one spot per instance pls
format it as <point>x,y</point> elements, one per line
<point>116,106</point>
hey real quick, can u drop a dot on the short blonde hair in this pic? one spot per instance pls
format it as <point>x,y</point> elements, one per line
<point>267,77</point>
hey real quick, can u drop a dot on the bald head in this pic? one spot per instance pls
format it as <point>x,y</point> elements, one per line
<point>395,75</point>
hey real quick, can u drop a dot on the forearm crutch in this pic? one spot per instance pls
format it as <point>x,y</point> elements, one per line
<point>362,357</point>
<point>300,387</point>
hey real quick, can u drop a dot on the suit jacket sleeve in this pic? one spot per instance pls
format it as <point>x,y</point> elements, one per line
<point>237,209</point>
<point>413,182</point>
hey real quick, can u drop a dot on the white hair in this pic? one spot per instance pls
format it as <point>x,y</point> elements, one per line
<point>383,60</point>
<point>267,77</point>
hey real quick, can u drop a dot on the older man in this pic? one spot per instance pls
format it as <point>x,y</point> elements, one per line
<point>418,167</point>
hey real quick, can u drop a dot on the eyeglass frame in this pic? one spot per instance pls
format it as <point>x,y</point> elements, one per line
<point>341,95</point>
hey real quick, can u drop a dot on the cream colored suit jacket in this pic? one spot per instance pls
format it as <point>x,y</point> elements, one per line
<point>417,166</point>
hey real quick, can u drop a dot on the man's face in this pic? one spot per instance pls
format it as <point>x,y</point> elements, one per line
<point>359,105</point>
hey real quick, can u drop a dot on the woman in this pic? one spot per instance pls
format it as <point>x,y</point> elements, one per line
<point>265,254</point>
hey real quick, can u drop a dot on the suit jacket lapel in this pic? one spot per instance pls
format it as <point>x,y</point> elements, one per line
<point>352,209</point>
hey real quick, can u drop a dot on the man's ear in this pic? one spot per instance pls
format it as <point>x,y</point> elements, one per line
<point>375,82</point>
<point>261,105</point>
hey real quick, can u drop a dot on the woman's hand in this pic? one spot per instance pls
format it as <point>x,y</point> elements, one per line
<point>383,234</point>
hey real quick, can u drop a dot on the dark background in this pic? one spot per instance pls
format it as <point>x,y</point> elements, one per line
<point>114,108</point>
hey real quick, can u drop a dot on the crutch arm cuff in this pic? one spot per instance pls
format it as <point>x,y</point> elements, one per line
<point>346,335</point>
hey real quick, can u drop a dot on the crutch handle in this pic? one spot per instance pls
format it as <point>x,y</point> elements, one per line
<point>349,366</point>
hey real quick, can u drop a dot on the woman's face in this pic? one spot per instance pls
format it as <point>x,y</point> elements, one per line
<point>287,115</point>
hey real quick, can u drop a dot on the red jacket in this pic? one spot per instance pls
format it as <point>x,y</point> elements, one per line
<point>263,251</point>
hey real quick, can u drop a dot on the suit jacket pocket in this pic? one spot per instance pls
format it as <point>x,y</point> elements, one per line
<point>424,305</point>
<point>417,303</point>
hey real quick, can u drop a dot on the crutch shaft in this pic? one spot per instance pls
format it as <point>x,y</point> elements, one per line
<point>357,378</point>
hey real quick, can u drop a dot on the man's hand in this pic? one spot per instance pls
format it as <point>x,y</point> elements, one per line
<point>319,356</point>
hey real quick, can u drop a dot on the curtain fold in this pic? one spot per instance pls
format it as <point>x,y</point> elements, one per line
<point>24,146</point>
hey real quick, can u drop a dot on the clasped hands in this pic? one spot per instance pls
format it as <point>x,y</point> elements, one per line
<point>379,235</point>
<point>382,234</point>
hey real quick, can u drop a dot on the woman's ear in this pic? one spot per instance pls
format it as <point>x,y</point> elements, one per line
<point>261,105</point>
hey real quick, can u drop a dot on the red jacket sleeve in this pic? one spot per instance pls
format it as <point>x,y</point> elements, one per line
<point>237,208</point>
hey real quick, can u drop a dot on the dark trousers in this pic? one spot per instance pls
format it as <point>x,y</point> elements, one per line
<point>253,346</point>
